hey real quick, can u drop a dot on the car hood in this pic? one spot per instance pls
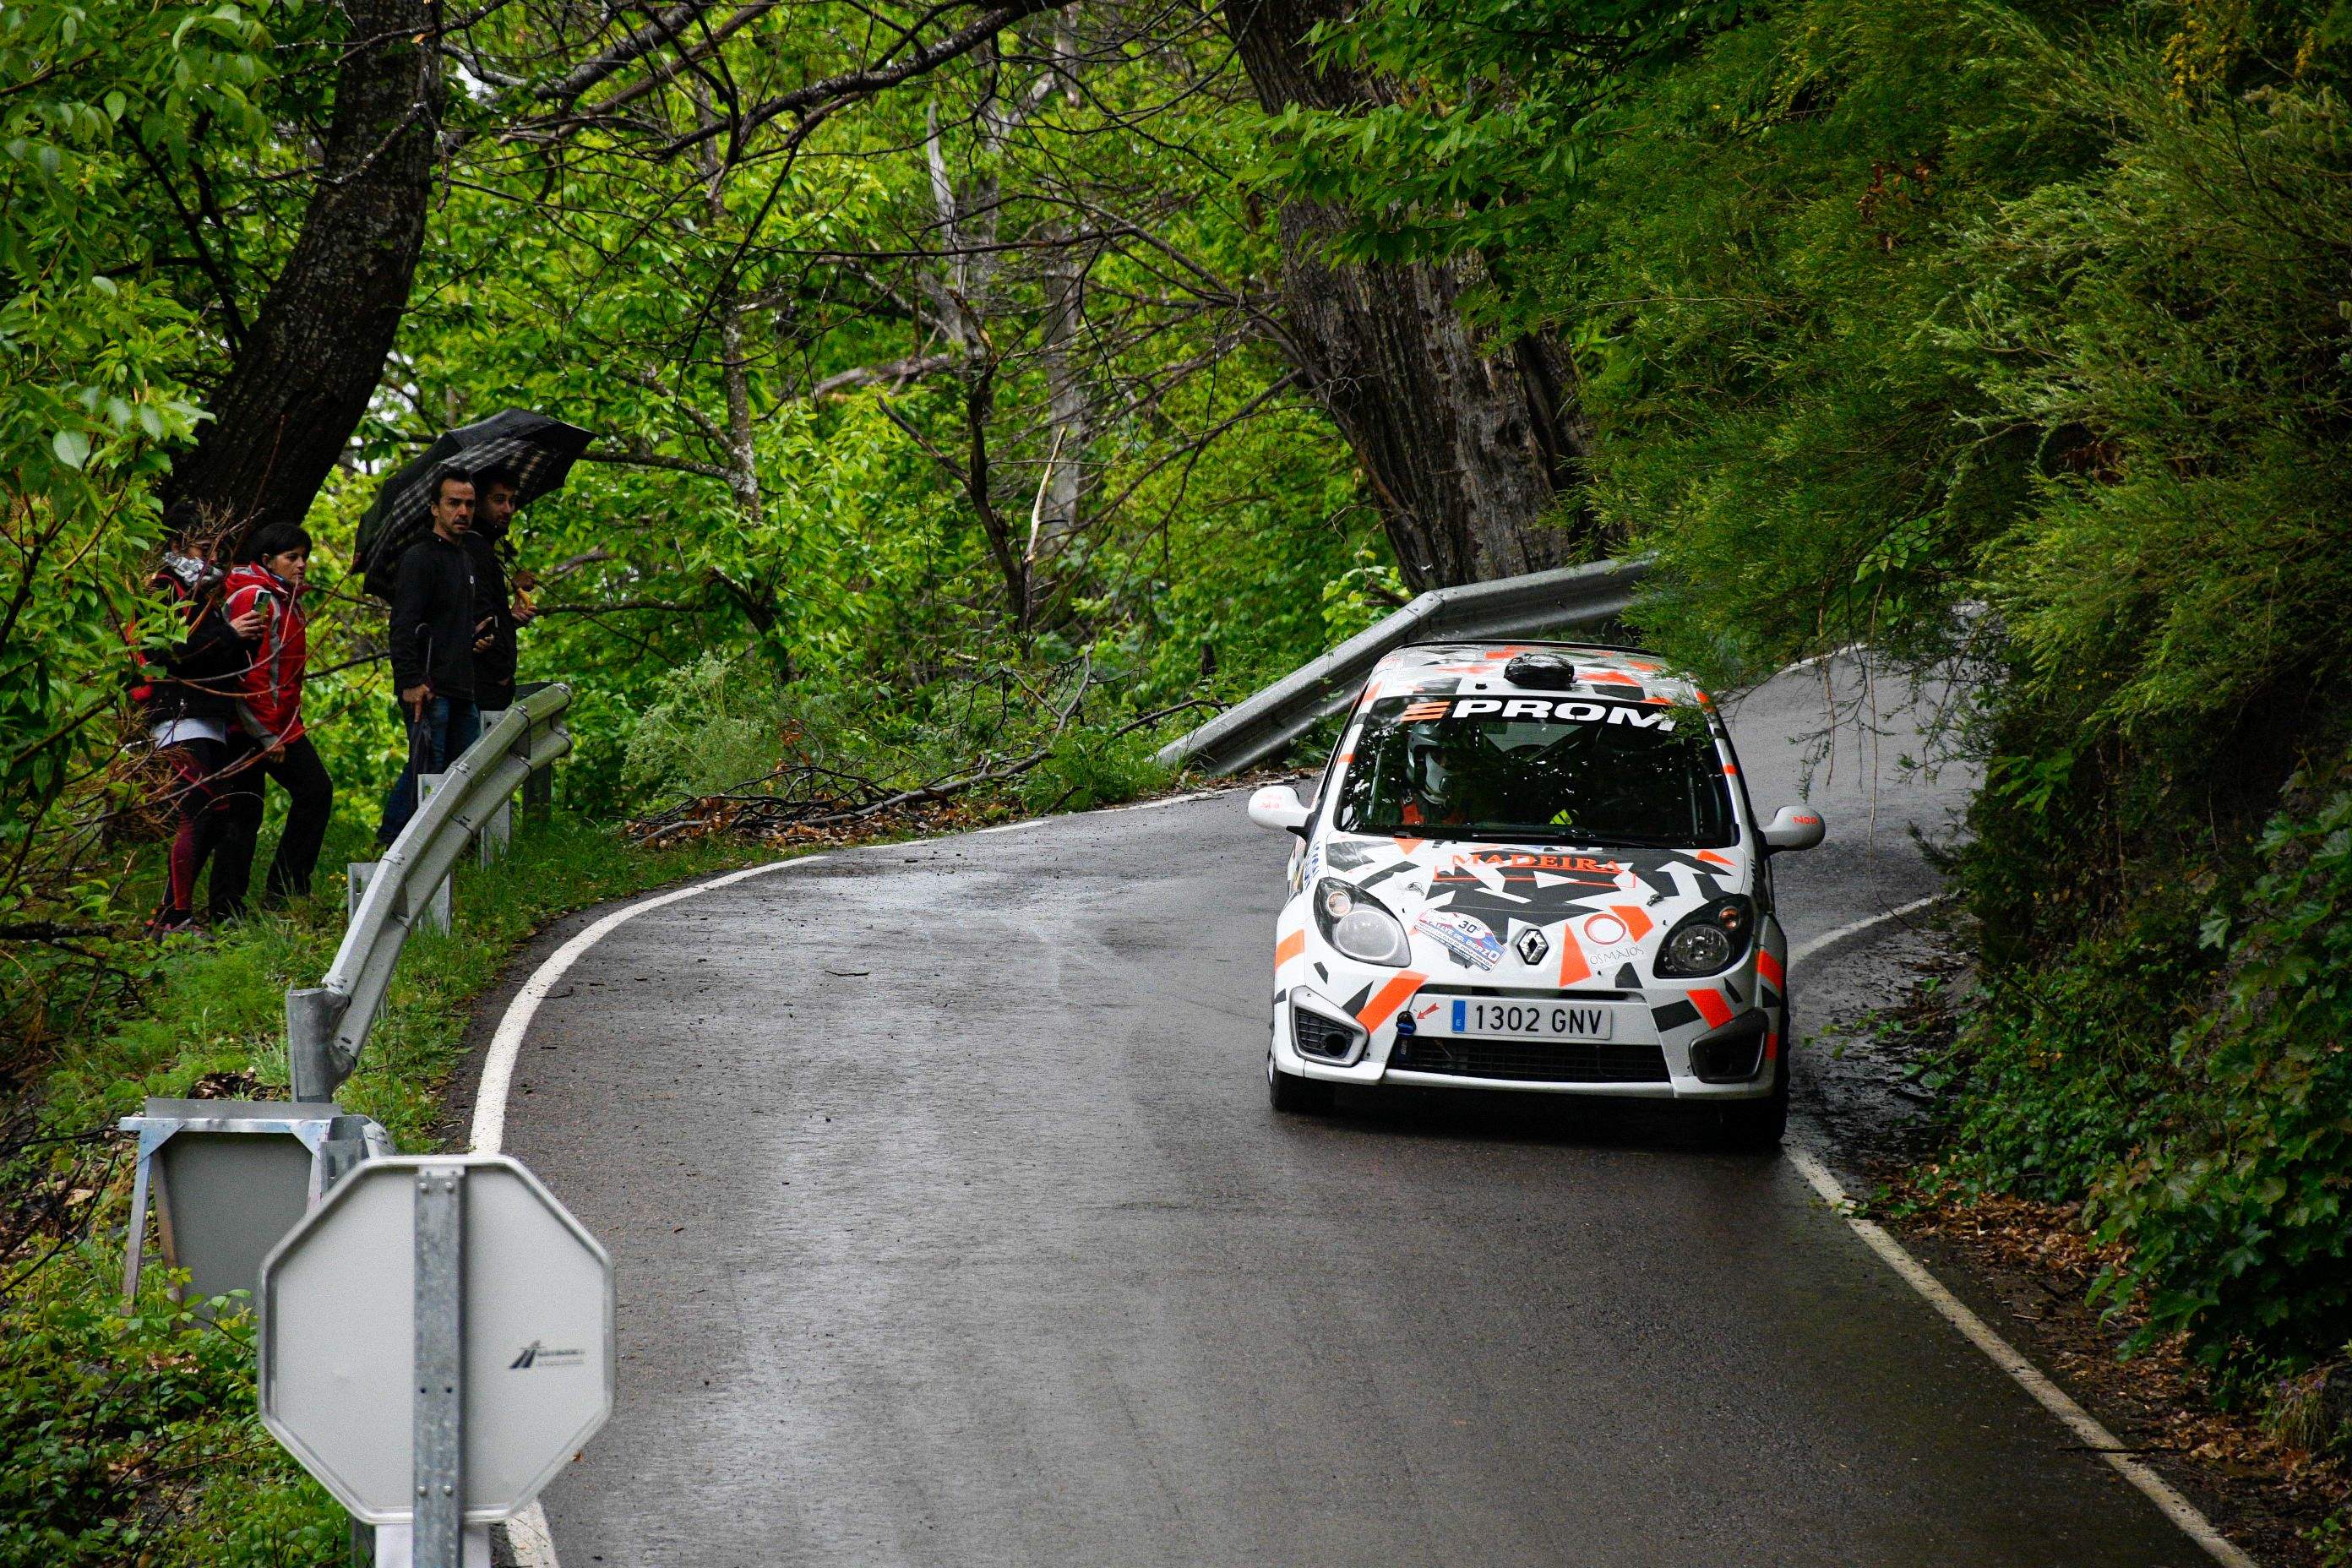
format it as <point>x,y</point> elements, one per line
<point>1602,912</point>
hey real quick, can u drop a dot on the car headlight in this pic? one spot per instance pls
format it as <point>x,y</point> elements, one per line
<point>1709,940</point>
<point>1358,925</point>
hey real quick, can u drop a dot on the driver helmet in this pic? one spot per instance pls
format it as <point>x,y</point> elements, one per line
<point>1427,768</point>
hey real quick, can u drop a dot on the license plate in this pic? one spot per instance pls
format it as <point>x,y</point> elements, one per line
<point>1531,1020</point>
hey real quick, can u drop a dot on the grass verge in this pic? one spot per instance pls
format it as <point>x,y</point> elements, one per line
<point>131,1438</point>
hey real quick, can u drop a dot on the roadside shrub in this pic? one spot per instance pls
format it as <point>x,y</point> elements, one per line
<point>2062,1071</point>
<point>116,1427</point>
<point>724,721</point>
<point>2238,1215</point>
<point>1088,769</point>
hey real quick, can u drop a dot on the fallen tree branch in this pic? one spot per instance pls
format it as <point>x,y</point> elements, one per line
<point>53,930</point>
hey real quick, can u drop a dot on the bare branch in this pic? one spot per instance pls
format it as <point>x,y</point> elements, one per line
<point>819,98</point>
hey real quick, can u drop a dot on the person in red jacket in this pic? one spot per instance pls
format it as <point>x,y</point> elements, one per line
<point>269,725</point>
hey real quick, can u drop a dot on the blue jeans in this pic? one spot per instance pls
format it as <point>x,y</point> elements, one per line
<point>450,725</point>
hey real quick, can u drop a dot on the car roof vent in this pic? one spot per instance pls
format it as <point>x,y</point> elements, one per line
<point>1541,672</point>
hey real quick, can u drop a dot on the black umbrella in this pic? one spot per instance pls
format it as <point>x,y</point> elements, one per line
<point>540,450</point>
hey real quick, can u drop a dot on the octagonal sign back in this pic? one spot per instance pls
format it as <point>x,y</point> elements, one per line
<point>338,1345</point>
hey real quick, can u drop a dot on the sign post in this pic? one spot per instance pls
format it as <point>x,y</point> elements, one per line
<point>435,1343</point>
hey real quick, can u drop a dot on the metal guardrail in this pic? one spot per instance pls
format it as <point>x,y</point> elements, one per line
<point>1257,728</point>
<point>327,1024</point>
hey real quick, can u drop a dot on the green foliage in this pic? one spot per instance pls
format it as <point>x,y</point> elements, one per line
<point>95,362</point>
<point>132,1436</point>
<point>2239,1215</point>
<point>1089,768</point>
<point>1884,313</point>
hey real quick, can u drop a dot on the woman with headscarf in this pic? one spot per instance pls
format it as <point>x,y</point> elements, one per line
<point>270,730</point>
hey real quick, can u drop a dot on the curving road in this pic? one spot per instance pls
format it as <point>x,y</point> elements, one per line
<point>953,1229</point>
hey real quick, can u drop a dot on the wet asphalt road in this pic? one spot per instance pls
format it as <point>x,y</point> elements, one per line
<point>952,1228</point>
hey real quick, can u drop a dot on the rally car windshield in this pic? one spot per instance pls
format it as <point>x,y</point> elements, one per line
<point>1536,772</point>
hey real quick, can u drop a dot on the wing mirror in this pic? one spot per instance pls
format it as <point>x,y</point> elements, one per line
<point>1278,805</point>
<point>1791,827</point>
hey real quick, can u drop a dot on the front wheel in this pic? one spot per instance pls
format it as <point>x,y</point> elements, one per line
<point>1759,1124</point>
<point>1293,1095</point>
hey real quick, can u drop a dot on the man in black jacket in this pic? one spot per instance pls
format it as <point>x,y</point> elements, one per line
<point>497,614</point>
<point>433,636</point>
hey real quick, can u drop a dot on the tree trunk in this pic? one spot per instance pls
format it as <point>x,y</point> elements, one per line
<point>303,376</point>
<point>1468,452</point>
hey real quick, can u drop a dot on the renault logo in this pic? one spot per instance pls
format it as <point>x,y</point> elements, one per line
<point>1532,946</point>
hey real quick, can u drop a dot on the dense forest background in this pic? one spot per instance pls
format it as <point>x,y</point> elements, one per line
<point>978,379</point>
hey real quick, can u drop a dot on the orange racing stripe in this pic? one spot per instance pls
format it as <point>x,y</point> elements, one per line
<point>1389,998</point>
<point>1288,948</point>
<point>1711,1007</point>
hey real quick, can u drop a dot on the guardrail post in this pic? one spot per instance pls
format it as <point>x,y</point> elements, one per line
<point>498,829</point>
<point>497,835</point>
<point>436,908</point>
<point>539,790</point>
<point>311,1014</point>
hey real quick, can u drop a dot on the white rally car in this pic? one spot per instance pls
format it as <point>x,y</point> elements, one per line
<point>1533,867</point>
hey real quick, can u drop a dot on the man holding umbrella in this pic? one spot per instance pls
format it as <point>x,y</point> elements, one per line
<point>433,636</point>
<point>497,614</point>
<point>412,551</point>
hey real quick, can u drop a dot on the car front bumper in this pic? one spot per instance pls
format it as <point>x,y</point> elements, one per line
<point>1643,1061</point>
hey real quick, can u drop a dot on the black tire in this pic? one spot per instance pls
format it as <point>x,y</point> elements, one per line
<point>1293,1095</point>
<point>1759,1124</point>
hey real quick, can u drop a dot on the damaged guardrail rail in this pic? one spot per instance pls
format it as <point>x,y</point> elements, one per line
<point>327,1024</point>
<point>1252,730</point>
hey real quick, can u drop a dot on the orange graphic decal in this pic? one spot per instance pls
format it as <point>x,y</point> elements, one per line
<point>1712,1007</point>
<point>1711,857</point>
<point>1572,967</point>
<point>1770,968</point>
<point>1389,998</point>
<point>1422,712</point>
<point>1407,845</point>
<point>1610,678</point>
<point>1637,924</point>
<point>1288,948</point>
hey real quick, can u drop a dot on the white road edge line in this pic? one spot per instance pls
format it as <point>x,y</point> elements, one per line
<point>1829,939</point>
<point>498,1068</point>
<point>1998,1351</point>
<point>526,1532</point>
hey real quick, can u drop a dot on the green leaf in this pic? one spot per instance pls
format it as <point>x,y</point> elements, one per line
<point>71,446</point>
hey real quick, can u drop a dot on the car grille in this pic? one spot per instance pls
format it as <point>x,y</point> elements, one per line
<point>1531,1062</point>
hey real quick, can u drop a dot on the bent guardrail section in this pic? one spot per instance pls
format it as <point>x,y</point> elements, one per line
<point>1253,729</point>
<point>327,1024</point>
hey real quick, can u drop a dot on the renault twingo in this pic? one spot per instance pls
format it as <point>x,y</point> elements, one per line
<point>1533,867</point>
